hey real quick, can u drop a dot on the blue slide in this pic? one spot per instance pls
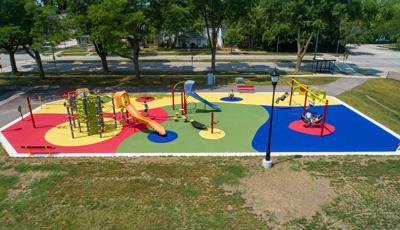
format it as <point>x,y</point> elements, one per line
<point>188,89</point>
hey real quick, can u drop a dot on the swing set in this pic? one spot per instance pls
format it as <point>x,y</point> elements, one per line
<point>315,95</point>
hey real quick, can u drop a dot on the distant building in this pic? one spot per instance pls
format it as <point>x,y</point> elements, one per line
<point>196,40</point>
<point>83,40</point>
<point>191,40</point>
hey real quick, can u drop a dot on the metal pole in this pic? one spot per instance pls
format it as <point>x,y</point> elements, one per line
<point>40,101</point>
<point>30,111</point>
<point>305,99</point>
<point>212,122</point>
<point>173,96</point>
<point>268,153</point>
<point>86,114</point>
<point>316,43</point>
<point>76,113</point>
<point>20,112</point>
<point>185,105</point>
<point>71,104</point>
<point>324,119</point>
<point>181,99</point>
<point>114,114</point>
<point>98,116</point>
<point>69,120</point>
<point>291,92</point>
<point>101,112</point>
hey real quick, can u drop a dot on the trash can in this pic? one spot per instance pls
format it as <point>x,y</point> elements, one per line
<point>210,79</point>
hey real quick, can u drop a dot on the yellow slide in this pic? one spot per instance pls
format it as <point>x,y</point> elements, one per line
<point>122,101</point>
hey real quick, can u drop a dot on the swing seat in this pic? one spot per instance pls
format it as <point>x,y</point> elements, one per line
<point>198,125</point>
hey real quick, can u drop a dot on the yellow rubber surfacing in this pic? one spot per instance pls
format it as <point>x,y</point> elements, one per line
<point>248,99</point>
<point>61,134</point>
<point>217,134</point>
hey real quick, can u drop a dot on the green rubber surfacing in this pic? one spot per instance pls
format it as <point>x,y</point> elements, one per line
<point>239,122</point>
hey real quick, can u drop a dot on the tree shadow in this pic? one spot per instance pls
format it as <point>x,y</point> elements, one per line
<point>359,53</point>
<point>206,110</point>
<point>366,71</point>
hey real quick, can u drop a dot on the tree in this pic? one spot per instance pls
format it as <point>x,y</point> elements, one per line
<point>299,19</point>
<point>393,25</point>
<point>12,27</point>
<point>386,22</point>
<point>176,17</point>
<point>46,27</point>
<point>233,37</point>
<point>214,12</point>
<point>84,21</point>
<point>129,23</point>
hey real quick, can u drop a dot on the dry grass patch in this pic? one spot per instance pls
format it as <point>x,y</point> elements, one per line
<point>286,193</point>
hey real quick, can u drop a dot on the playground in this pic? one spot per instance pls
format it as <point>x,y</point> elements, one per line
<point>187,123</point>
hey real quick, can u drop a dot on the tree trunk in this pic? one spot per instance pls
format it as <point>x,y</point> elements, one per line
<point>298,62</point>
<point>13,63</point>
<point>213,49</point>
<point>169,42</point>
<point>102,54</point>
<point>158,39</point>
<point>39,64</point>
<point>104,63</point>
<point>136,50</point>
<point>301,49</point>
<point>175,40</point>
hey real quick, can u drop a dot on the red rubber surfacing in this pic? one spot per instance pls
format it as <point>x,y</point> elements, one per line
<point>298,126</point>
<point>145,99</point>
<point>22,133</point>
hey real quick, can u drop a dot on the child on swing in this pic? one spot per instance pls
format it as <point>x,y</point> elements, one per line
<point>282,98</point>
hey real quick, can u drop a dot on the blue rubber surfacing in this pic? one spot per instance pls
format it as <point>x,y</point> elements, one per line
<point>353,133</point>
<point>228,99</point>
<point>157,138</point>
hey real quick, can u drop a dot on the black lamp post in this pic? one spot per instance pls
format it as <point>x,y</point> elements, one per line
<point>267,162</point>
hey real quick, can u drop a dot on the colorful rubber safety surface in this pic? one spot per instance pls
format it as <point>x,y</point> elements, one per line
<point>240,129</point>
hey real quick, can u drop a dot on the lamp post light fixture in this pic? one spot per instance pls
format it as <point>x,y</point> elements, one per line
<point>267,162</point>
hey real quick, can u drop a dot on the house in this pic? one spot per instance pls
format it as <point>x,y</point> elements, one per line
<point>196,40</point>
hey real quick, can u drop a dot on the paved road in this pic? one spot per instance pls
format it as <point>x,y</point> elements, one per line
<point>160,63</point>
<point>165,66</point>
<point>365,59</point>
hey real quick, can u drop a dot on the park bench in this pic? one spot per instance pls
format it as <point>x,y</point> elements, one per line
<point>245,88</point>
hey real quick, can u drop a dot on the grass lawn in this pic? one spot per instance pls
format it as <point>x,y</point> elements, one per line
<point>150,78</point>
<point>379,99</point>
<point>199,193</point>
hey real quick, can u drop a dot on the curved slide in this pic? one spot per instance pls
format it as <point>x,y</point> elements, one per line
<point>122,100</point>
<point>188,89</point>
<point>147,121</point>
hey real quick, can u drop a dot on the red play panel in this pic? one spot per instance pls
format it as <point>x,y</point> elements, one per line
<point>145,99</point>
<point>23,134</point>
<point>298,126</point>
